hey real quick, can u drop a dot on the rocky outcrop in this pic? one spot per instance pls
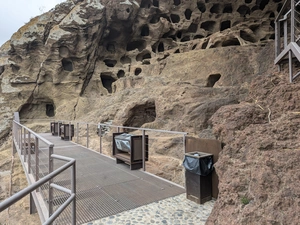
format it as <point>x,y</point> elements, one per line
<point>259,165</point>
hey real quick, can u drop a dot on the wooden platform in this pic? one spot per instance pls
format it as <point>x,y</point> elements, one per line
<point>105,188</point>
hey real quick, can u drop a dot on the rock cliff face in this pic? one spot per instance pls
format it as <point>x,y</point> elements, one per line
<point>179,63</point>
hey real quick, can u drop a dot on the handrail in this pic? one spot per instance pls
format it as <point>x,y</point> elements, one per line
<point>16,197</point>
<point>35,134</point>
<point>22,143</point>
<point>284,6</point>
<point>19,195</point>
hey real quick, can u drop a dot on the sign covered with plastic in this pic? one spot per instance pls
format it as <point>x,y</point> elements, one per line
<point>123,142</point>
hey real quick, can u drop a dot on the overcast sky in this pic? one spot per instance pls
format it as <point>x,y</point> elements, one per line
<point>15,13</point>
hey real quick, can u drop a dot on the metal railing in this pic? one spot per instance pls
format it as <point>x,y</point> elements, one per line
<point>162,144</point>
<point>287,35</point>
<point>27,144</point>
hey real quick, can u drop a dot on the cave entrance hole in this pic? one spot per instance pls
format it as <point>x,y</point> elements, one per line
<point>141,114</point>
<point>213,79</point>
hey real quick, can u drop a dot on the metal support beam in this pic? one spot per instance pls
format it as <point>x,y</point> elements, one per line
<point>32,207</point>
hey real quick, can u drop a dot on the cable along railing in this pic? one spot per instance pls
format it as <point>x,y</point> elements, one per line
<point>287,36</point>
<point>37,158</point>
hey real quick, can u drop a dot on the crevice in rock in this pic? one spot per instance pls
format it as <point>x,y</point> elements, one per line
<point>137,71</point>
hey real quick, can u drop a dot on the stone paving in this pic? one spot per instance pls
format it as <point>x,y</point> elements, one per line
<point>175,210</point>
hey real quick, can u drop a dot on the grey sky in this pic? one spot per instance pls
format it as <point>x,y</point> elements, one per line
<point>15,13</point>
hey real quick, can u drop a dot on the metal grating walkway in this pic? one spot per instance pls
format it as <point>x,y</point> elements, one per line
<point>103,187</point>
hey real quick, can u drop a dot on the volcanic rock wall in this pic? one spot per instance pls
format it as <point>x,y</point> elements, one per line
<point>101,53</point>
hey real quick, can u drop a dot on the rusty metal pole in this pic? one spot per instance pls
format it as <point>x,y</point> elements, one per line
<point>184,143</point>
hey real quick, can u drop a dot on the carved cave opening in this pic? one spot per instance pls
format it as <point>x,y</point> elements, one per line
<point>121,73</point>
<point>227,8</point>
<point>177,2</point>
<point>248,1</point>
<point>201,6</point>
<point>110,62</point>
<point>145,31</point>
<point>145,55</point>
<point>125,59</point>
<point>213,79</point>
<point>67,65</point>
<point>39,109</point>
<point>208,25</point>
<point>50,111</point>
<point>193,28</point>
<point>141,114</point>
<point>188,14</point>
<point>137,71</point>
<point>243,10</point>
<point>146,4</point>
<point>215,8</point>
<point>156,3</point>
<point>225,25</point>
<point>110,47</point>
<point>231,42</point>
<point>107,81</point>
<point>139,44</point>
<point>161,47</point>
<point>175,18</point>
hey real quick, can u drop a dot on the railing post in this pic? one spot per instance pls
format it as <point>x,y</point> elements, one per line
<point>37,162</point>
<point>118,129</point>
<point>50,197</point>
<point>144,151</point>
<point>77,132</point>
<point>292,20</point>
<point>285,27</point>
<point>58,129</point>
<point>184,143</point>
<point>70,134</point>
<point>73,186</point>
<point>29,152</point>
<point>87,135</point>
<point>291,66</point>
<point>24,145</point>
<point>100,135</point>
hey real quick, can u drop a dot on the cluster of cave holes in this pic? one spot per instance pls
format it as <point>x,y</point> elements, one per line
<point>141,114</point>
<point>243,9</point>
